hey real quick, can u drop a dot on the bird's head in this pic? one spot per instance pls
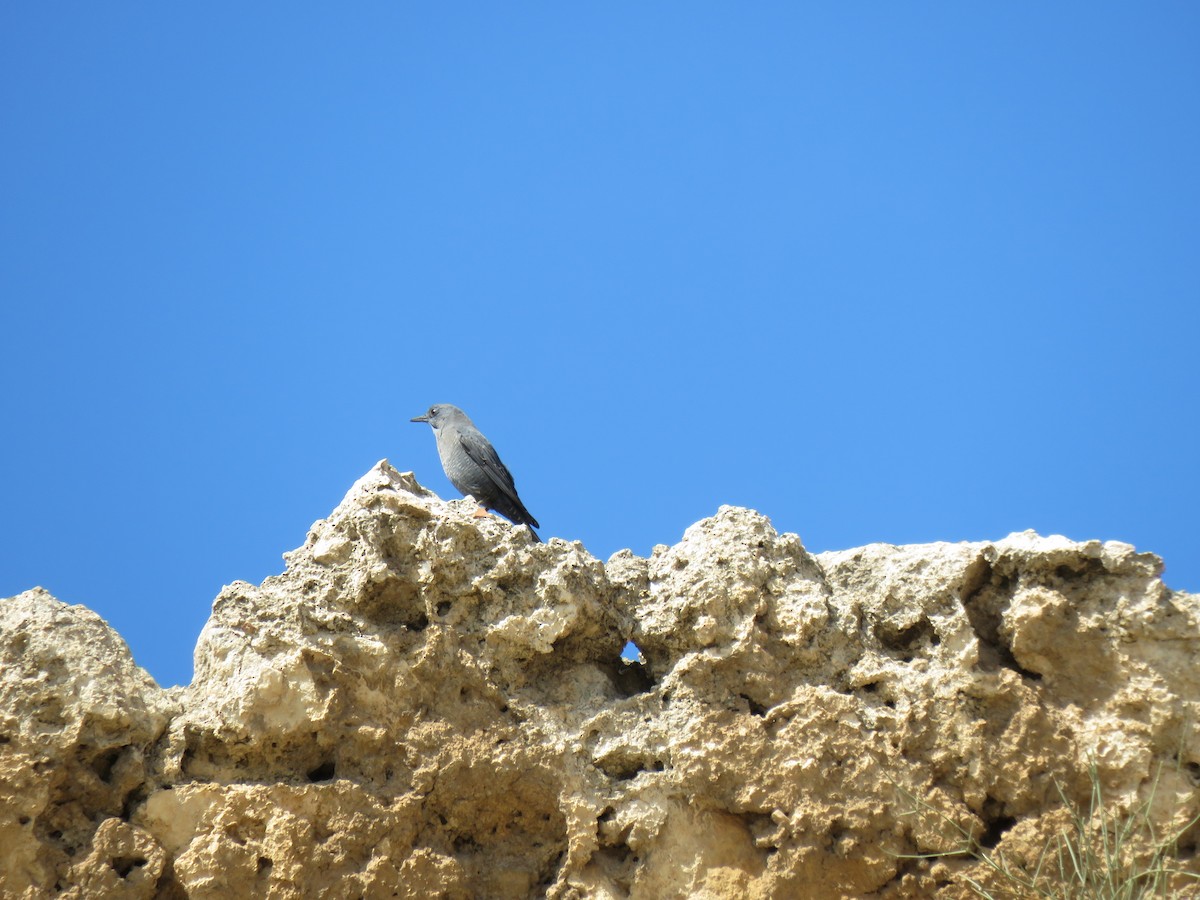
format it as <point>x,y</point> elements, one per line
<point>439,414</point>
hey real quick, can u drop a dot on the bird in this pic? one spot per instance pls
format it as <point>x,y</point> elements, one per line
<point>473,466</point>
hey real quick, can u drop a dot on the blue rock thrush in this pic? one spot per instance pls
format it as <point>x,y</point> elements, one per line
<point>473,466</point>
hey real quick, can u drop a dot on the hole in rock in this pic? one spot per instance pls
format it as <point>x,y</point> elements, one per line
<point>132,801</point>
<point>443,607</point>
<point>464,843</point>
<point>24,820</point>
<point>906,640</point>
<point>995,831</point>
<point>419,623</point>
<point>1083,570</point>
<point>123,865</point>
<point>621,767</point>
<point>996,824</point>
<point>756,708</point>
<point>630,677</point>
<point>264,865</point>
<point>186,759</point>
<point>323,772</point>
<point>632,652</point>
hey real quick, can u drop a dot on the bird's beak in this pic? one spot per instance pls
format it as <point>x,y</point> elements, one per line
<point>419,419</point>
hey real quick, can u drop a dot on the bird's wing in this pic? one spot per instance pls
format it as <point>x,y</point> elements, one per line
<point>483,454</point>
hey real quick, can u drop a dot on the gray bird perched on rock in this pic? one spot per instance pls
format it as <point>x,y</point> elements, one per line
<point>473,466</point>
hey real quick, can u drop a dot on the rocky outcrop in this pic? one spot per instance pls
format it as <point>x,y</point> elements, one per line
<point>426,704</point>
<point>78,724</point>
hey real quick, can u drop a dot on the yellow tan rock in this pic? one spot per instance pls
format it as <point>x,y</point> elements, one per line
<point>426,704</point>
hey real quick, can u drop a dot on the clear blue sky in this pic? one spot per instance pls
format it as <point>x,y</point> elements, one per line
<point>884,272</point>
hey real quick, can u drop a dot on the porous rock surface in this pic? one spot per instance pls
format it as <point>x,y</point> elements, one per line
<point>427,704</point>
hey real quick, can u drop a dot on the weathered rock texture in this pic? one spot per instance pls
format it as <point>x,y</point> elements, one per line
<point>431,705</point>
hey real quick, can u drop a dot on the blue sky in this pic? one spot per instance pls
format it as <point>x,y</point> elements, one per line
<point>884,272</point>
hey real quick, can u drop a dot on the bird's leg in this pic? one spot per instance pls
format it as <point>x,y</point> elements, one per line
<point>480,513</point>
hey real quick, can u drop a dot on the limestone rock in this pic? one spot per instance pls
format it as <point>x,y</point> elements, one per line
<point>77,719</point>
<point>426,704</point>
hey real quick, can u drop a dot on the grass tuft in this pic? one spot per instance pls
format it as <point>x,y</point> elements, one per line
<point>1099,855</point>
